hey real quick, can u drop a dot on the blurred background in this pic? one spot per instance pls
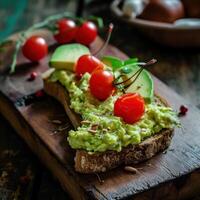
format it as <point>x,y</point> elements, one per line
<point>19,14</point>
<point>22,176</point>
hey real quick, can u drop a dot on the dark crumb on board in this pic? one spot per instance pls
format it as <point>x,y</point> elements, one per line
<point>101,181</point>
<point>164,152</point>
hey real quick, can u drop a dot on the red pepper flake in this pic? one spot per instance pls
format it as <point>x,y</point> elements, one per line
<point>33,76</point>
<point>39,93</point>
<point>182,110</point>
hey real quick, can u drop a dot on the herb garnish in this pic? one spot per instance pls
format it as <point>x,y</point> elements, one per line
<point>122,68</point>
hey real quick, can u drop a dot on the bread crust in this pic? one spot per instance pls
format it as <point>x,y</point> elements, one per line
<point>133,154</point>
<point>101,162</point>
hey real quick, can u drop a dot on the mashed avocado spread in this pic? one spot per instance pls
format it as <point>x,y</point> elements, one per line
<point>101,130</point>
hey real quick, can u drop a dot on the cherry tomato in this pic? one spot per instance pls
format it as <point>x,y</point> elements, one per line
<point>87,63</point>
<point>35,48</point>
<point>130,107</point>
<point>86,33</point>
<point>101,84</point>
<point>66,31</point>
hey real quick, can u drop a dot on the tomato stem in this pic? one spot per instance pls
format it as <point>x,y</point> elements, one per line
<point>50,24</point>
<point>150,62</point>
<point>136,74</point>
<point>105,44</point>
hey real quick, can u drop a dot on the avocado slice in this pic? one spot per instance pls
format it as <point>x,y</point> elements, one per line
<point>112,61</point>
<point>65,56</point>
<point>143,85</point>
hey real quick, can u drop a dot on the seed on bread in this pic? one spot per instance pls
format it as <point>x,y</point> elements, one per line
<point>92,131</point>
<point>85,122</point>
<point>131,169</point>
<point>55,121</point>
<point>94,127</point>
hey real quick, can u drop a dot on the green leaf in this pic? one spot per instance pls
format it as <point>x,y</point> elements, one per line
<point>131,61</point>
<point>98,20</point>
<point>126,69</point>
<point>113,62</point>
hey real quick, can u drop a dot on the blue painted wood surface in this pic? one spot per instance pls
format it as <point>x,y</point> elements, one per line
<point>11,13</point>
<point>16,15</point>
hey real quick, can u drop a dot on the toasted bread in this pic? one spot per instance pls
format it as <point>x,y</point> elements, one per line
<point>101,162</point>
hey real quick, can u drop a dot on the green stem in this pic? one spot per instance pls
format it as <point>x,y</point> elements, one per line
<point>44,24</point>
<point>14,60</point>
<point>135,75</point>
<point>23,35</point>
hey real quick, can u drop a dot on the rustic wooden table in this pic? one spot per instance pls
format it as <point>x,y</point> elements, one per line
<point>22,176</point>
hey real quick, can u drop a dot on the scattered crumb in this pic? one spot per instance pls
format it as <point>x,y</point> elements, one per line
<point>55,121</point>
<point>164,152</point>
<point>60,129</point>
<point>171,149</point>
<point>101,181</point>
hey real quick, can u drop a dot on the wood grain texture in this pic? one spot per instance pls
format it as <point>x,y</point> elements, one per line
<point>15,182</point>
<point>14,19</point>
<point>156,177</point>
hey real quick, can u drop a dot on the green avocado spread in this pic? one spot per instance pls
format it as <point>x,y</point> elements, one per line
<point>100,130</point>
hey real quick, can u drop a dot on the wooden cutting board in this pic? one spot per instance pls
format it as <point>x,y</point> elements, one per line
<point>173,174</point>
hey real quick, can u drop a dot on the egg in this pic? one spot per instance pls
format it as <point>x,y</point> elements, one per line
<point>132,8</point>
<point>163,11</point>
<point>187,22</point>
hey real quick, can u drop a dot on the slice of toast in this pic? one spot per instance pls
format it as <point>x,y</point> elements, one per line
<point>101,162</point>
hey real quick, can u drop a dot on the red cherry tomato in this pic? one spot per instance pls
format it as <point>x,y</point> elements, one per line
<point>86,33</point>
<point>101,84</point>
<point>66,31</point>
<point>130,107</point>
<point>35,48</point>
<point>87,63</point>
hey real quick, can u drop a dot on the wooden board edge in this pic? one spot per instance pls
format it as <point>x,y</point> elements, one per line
<point>178,189</point>
<point>90,190</point>
<point>9,111</point>
<point>67,181</point>
<point>51,88</point>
